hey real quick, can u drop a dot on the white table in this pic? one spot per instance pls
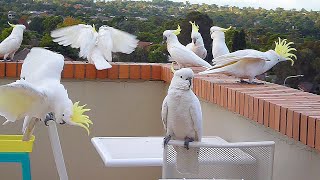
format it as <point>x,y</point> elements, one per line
<point>135,151</point>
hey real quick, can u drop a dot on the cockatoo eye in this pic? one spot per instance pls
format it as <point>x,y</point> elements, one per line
<point>181,77</point>
<point>63,115</point>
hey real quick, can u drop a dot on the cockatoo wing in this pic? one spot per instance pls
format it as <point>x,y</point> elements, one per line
<point>164,113</point>
<point>234,57</point>
<point>19,98</point>
<point>187,56</point>
<point>78,36</point>
<point>9,45</point>
<point>123,41</point>
<point>105,43</point>
<point>41,64</point>
<point>189,46</point>
<point>196,116</point>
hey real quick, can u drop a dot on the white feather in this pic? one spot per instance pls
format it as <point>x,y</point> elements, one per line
<point>123,41</point>
<point>12,43</point>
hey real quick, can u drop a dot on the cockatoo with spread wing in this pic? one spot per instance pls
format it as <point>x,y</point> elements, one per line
<point>182,119</point>
<point>179,53</point>
<point>219,46</point>
<point>197,45</point>
<point>97,47</point>
<point>40,92</point>
<point>10,45</point>
<point>250,63</point>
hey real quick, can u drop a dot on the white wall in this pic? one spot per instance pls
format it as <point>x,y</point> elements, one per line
<point>293,160</point>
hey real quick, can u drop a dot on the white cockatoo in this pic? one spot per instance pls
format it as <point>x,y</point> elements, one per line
<point>197,45</point>
<point>219,46</point>
<point>250,63</point>
<point>10,45</point>
<point>182,119</point>
<point>97,47</point>
<point>40,92</point>
<point>179,53</point>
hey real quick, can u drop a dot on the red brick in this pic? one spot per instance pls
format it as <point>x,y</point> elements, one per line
<point>317,135</point>
<point>283,120</point>
<point>304,129</point>
<point>311,131</point>
<point>296,126</point>
<point>242,101</point>
<point>266,113</point>
<point>11,69</point>
<point>255,109</point>
<point>113,73</point>
<point>68,70</point>
<point>102,74</point>
<point>250,107</point>
<point>146,72</point>
<point>271,115</point>
<point>19,69</point>
<point>91,71</point>
<point>261,109</point>
<point>79,70</point>
<point>123,71</point>
<point>2,69</point>
<point>156,72</point>
<point>289,123</point>
<point>277,118</point>
<point>211,92</point>
<point>246,106</point>
<point>238,102</point>
<point>135,72</point>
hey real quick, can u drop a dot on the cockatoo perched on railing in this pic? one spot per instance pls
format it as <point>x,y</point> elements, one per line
<point>197,45</point>
<point>10,45</point>
<point>97,47</point>
<point>250,63</point>
<point>179,53</point>
<point>40,92</point>
<point>219,46</point>
<point>182,119</point>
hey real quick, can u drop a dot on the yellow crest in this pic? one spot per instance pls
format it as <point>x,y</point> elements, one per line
<point>177,31</point>
<point>225,30</point>
<point>79,118</point>
<point>12,25</point>
<point>195,27</point>
<point>94,28</point>
<point>283,49</point>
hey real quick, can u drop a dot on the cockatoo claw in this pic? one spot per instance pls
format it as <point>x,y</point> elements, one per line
<point>253,82</point>
<point>49,117</point>
<point>187,140</point>
<point>166,140</point>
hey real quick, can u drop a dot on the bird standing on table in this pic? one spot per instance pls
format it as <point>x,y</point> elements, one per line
<point>179,53</point>
<point>249,63</point>
<point>197,45</point>
<point>10,45</point>
<point>182,119</point>
<point>97,47</point>
<point>219,46</point>
<point>40,92</point>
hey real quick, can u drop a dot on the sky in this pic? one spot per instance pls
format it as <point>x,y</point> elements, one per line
<point>267,4</point>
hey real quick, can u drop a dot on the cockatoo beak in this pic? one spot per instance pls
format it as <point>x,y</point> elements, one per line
<point>194,40</point>
<point>12,25</point>
<point>190,81</point>
<point>164,39</point>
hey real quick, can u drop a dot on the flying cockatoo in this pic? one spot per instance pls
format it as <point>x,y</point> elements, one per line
<point>182,119</point>
<point>197,45</point>
<point>40,92</point>
<point>250,63</point>
<point>10,45</point>
<point>179,53</point>
<point>219,46</point>
<point>97,47</point>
